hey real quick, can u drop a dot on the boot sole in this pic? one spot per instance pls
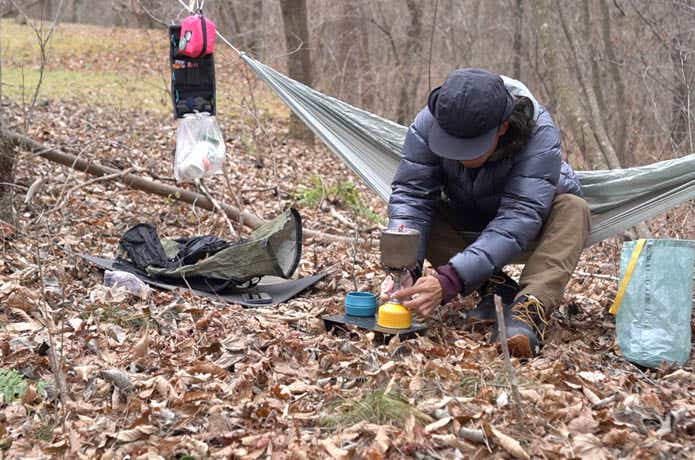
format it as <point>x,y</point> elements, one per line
<point>520,346</point>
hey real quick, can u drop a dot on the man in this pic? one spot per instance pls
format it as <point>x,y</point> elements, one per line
<point>485,157</point>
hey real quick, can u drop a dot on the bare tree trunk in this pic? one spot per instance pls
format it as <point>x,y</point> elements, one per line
<point>518,37</point>
<point>226,18</point>
<point>255,43</point>
<point>46,9</point>
<point>294,19</point>
<point>7,162</point>
<point>596,80</point>
<point>75,10</point>
<point>139,15</point>
<point>681,101</point>
<point>8,156</point>
<point>566,96</point>
<point>367,89</point>
<point>352,55</point>
<point>409,68</point>
<point>620,101</point>
<point>244,21</point>
<point>595,120</point>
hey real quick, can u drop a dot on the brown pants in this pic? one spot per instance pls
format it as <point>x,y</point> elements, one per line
<point>548,262</point>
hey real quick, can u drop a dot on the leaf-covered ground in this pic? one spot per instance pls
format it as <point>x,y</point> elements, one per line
<point>177,376</point>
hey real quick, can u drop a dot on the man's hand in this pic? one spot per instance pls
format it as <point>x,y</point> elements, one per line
<point>388,286</point>
<point>426,295</point>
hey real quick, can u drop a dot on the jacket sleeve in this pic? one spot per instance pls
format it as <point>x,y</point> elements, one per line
<point>525,204</point>
<point>417,185</point>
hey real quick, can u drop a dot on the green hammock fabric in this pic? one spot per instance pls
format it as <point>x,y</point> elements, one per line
<point>371,146</point>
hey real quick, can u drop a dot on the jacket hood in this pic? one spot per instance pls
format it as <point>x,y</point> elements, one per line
<point>516,88</point>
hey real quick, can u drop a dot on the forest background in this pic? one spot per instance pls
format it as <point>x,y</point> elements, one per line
<point>89,371</point>
<point>617,74</point>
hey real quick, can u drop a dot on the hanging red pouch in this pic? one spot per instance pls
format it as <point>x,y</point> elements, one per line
<point>197,36</point>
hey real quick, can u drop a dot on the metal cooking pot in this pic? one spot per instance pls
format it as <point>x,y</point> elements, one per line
<point>399,248</point>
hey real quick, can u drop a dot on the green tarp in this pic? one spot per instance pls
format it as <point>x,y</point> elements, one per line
<point>273,249</point>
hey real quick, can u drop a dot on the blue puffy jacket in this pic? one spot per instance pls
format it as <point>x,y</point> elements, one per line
<point>506,200</point>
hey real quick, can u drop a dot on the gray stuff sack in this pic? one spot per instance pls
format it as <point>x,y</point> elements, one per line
<point>653,320</point>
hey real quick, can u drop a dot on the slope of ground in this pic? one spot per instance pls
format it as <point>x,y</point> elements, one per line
<point>185,377</point>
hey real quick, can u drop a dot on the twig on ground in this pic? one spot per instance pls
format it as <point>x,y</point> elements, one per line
<point>272,188</point>
<point>54,362</point>
<point>595,275</point>
<point>236,198</point>
<point>34,189</point>
<point>73,189</point>
<point>10,184</point>
<point>342,219</point>
<point>203,190</point>
<point>502,329</point>
<point>603,402</point>
<point>353,265</point>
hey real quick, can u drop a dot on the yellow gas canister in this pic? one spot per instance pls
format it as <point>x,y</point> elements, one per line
<point>393,315</point>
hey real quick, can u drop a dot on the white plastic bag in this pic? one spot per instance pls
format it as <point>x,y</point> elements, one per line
<point>126,281</point>
<point>200,147</point>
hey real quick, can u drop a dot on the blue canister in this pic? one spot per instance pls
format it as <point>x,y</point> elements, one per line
<point>360,304</point>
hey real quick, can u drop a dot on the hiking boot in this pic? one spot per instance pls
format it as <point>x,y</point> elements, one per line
<point>525,323</point>
<point>498,284</point>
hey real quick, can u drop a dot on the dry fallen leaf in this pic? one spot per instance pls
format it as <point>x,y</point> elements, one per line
<point>434,426</point>
<point>118,378</point>
<point>141,348</point>
<point>382,440</point>
<point>509,444</point>
<point>136,433</point>
<point>588,446</point>
<point>333,450</point>
<point>449,440</point>
<point>583,423</point>
<point>22,327</point>
<point>593,377</point>
<point>590,395</point>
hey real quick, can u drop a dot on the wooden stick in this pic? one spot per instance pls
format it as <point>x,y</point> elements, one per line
<point>502,336</point>
<point>146,185</point>
<point>578,273</point>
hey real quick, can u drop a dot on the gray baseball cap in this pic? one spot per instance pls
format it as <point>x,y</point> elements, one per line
<point>468,110</point>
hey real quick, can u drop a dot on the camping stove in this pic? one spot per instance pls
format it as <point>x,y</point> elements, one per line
<point>398,254</point>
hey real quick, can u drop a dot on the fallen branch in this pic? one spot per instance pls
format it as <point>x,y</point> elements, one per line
<point>502,336</point>
<point>140,183</point>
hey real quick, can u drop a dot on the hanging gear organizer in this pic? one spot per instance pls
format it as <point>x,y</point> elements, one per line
<point>192,79</point>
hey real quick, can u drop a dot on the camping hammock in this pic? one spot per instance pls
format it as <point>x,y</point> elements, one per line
<point>371,147</point>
